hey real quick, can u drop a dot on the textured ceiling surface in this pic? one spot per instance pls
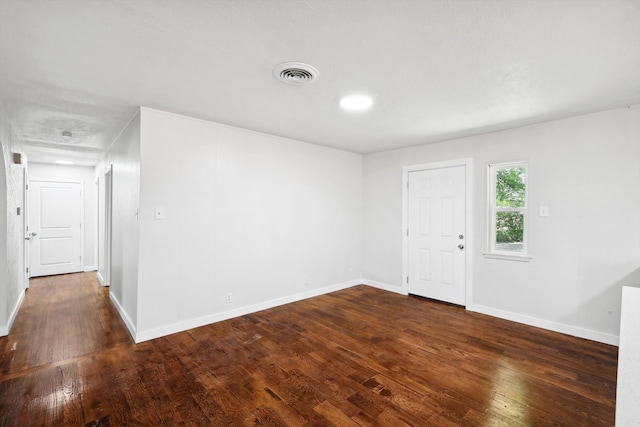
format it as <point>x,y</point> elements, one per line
<point>436,69</point>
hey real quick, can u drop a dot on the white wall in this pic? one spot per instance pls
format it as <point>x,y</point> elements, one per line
<point>272,220</point>
<point>124,155</point>
<point>86,176</point>
<point>266,218</point>
<point>4,303</point>
<point>12,267</point>
<point>586,170</point>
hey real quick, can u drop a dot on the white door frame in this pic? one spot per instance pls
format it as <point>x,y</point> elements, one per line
<point>468,164</point>
<point>25,226</point>
<point>108,211</point>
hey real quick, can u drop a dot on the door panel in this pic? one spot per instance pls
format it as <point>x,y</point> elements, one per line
<point>446,264</point>
<point>425,265</point>
<point>55,250</point>
<point>55,227</point>
<point>425,210</point>
<point>436,220</point>
<point>446,229</point>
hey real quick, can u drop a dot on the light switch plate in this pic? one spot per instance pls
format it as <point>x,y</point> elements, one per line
<point>159,213</point>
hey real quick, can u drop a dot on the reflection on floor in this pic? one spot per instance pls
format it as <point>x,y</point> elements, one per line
<point>360,356</point>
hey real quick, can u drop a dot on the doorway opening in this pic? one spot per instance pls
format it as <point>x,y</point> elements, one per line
<point>108,200</point>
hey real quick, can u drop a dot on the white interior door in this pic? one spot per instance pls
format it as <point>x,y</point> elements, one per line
<point>436,234</point>
<point>55,227</point>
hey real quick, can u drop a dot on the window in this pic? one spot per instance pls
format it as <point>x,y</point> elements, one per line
<point>507,211</point>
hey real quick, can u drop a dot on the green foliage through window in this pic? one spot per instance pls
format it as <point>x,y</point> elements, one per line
<point>510,188</point>
<point>509,227</point>
<point>510,206</point>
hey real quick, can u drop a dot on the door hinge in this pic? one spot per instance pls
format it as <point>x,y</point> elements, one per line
<point>27,270</point>
<point>407,280</point>
<point>27,186</point>
<point>407,232</point>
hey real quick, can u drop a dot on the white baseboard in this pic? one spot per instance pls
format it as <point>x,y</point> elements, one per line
<point>5,329</point>
<point>546,324</point>
<point>241,311</point>
<point>89,268</point>
<point>101,279</point>
<point>384,286</point>
<point>123,315</point>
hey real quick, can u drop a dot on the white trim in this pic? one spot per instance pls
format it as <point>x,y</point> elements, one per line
<point>25,227</point>
<point>468,164</point>
<point>4,330</point>
<point>100,278</point>
<point>546,324</point>
<point>384,286</point>
<point>90,268</point>
<point>108,224</point>
<point>123,315</point>
<point>491,210</point>
<point>507,257</point>
<point>83,225</point>
<point>628,386</point>
<point>96,223</point>
<point>241,311</point>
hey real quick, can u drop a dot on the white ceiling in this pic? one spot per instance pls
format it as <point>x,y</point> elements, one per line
<point>436,69</point>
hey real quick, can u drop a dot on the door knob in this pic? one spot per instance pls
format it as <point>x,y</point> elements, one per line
<point>461,237</point>
<point>27,238</point>
<point>461,246</point>
<point>34,234</point>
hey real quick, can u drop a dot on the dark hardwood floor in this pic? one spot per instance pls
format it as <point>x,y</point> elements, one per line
<point>357,357</point>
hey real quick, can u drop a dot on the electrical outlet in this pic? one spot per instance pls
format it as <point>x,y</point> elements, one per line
<point>229,297</point>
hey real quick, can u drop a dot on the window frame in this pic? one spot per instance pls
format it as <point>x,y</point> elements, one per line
<point>492,211</point>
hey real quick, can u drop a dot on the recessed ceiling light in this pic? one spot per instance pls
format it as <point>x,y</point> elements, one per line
<point>356,102</point>
<point>65,162</point>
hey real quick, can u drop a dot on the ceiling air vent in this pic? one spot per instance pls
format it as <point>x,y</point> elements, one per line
<point>296,73</point>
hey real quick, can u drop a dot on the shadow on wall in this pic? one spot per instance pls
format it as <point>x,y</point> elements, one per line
<point>602,311</point>
<point>632,279</point>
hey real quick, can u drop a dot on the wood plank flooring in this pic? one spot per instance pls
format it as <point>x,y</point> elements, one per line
<point>358,357</point>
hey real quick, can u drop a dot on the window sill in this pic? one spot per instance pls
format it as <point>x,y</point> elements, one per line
<point>508,257</point>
